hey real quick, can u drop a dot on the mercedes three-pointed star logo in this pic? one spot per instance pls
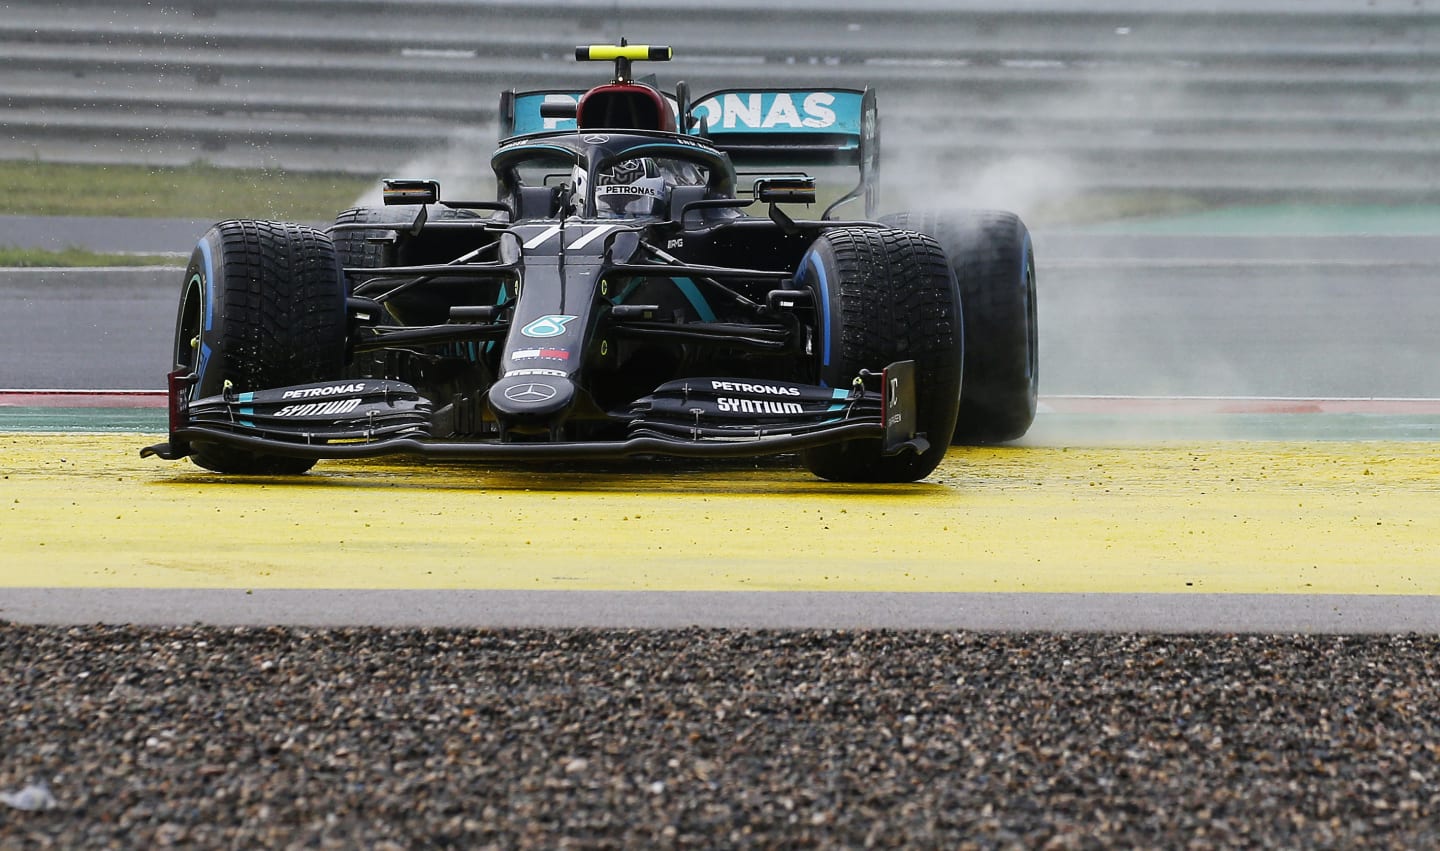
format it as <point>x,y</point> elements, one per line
<point>530,393</point>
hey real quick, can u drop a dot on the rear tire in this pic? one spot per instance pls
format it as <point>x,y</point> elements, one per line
<point>263,306</point>
<point>994,265</point>
<point>353,246</point>
<point>355,250</point>
<point>883,296</point>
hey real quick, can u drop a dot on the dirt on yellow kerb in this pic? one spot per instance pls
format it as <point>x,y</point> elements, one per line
<point>1323,517</point>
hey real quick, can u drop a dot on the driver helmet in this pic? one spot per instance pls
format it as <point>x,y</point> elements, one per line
<point>633,187</point>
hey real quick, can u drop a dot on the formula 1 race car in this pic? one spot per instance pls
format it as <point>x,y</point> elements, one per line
<point>616,301</point>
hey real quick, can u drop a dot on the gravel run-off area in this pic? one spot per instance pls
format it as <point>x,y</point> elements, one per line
<point>306,738</point>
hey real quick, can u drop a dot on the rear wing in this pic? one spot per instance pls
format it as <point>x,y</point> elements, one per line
<point>769,126</point>
<point>779,128</point>
<point>783,126</point>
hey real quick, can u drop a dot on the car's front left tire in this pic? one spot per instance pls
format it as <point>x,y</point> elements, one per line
<point>263,306</point>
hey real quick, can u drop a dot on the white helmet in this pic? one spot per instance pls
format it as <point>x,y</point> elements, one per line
<point>634,187</point>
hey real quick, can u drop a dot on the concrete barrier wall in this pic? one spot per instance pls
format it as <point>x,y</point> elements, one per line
<point>1264,99</point>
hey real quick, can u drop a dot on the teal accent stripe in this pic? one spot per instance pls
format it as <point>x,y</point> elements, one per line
<point>500,300</point>
<point>245,412</point>
<point>630,288</point>
<point>692,294</point>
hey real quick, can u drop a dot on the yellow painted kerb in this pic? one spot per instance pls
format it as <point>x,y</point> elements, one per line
<point>78,511</point>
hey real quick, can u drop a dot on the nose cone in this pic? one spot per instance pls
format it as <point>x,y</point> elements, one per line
<point>531,401</point>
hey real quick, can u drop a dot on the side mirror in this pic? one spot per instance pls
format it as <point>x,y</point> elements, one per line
<point>399,191</point>
<point>682,107</point>
<point>785,190</point>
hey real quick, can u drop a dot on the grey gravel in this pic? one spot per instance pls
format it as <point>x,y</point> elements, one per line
<point>306,738</point>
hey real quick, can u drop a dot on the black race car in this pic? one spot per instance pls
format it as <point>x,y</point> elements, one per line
<point>616,301</point>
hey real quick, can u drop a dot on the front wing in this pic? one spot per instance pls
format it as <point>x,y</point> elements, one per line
<point>688,418</point>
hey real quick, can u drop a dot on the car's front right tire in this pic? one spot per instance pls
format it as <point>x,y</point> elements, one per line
<point>883,296</point>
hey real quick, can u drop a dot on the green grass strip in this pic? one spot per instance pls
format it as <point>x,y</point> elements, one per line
<point>197,191</point>
<point>11,256</point>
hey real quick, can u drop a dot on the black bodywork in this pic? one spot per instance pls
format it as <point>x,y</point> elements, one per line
<point>533,327</point>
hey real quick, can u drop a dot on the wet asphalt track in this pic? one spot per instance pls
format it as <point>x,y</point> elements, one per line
<point>1317,316</point>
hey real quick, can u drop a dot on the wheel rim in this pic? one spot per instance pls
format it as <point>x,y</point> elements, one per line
<point>1032,348</point>
<point>187,333</point>
<point>810,277</point>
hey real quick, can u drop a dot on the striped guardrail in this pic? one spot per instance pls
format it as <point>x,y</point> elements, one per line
<point>1260,99</point>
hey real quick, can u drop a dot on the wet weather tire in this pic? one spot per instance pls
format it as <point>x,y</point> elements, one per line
<point>884,296</point>
<point>994,265</point>
<point>365,248</point>
<point>263,307</point>
<point>355,248</point>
